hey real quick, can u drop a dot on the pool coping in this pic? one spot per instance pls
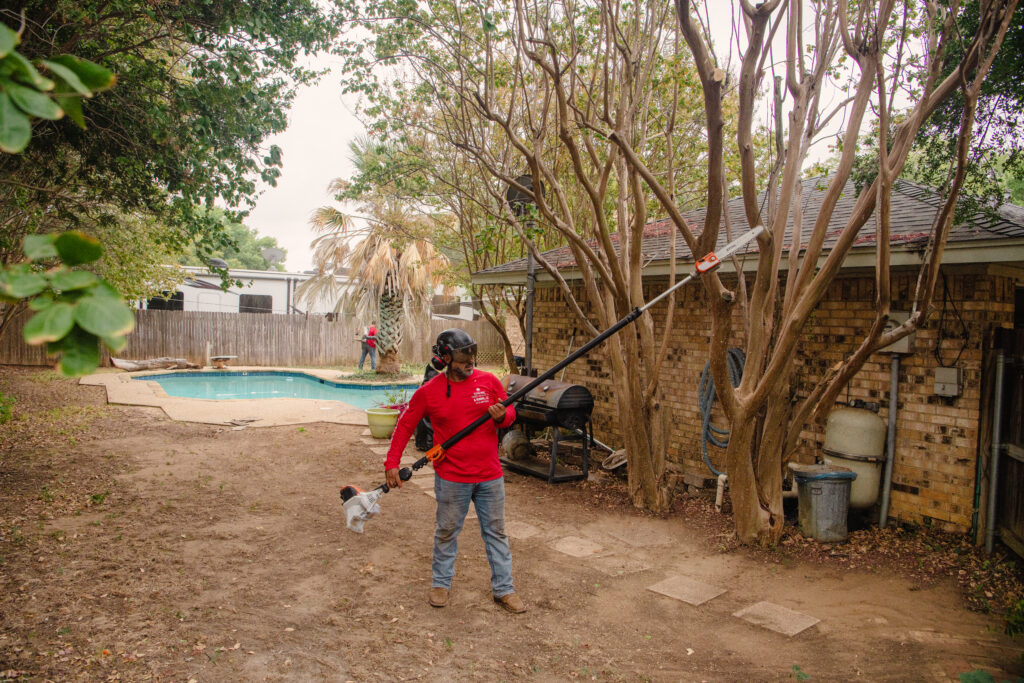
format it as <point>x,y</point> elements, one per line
<point>265,412</point>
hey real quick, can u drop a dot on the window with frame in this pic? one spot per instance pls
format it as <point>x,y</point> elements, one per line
<point>255,303</point>
<point>167,301</point>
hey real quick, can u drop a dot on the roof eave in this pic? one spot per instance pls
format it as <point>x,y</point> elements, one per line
<point>1009,252</point>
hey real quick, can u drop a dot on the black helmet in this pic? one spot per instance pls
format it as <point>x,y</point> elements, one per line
<point>450,341</point>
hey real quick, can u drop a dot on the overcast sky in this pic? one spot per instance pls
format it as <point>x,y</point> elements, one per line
<point>321,124</point>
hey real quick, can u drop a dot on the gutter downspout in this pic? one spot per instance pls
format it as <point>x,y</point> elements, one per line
<point>890,439</point>
<point>530,284</point>
<point>993,481</point>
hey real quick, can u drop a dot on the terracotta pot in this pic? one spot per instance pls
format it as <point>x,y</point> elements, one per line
<point>382,421</point>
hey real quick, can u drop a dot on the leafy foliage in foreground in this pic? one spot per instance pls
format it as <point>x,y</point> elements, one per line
<point>200,86</point>
<point>74,309</point>
<point>26,94</point>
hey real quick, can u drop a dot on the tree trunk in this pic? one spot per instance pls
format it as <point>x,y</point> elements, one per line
<point>646,445</point>
<point>389,334</point>
<point>151,364</point>
<point>771,461</point>
<point>751,518</point>
<point>387,363</point>
<point>644,428</point>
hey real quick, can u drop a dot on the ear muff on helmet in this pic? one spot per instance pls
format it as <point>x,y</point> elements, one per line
<point>448,342</point>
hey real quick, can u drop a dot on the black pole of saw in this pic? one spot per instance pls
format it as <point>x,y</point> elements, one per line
<point>705,265</point>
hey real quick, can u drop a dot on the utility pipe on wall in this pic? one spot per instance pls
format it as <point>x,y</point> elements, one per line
<point>890,439</point>
<point>530,284</point>
<point>993,480</point>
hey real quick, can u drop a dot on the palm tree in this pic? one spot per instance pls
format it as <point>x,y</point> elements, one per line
<point>394,269</point>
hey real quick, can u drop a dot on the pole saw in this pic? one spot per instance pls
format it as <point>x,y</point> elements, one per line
<point>360,505</point>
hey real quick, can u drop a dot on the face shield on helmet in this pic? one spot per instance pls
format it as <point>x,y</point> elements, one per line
<point>454,345</point>
<point>464,355</point>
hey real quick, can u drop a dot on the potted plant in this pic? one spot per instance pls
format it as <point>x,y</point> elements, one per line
<point>384,416</point>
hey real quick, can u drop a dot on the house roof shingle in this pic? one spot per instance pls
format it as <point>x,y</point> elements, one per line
<point>912,211</point>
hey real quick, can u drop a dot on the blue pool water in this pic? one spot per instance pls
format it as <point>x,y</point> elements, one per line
<point>229,385</point>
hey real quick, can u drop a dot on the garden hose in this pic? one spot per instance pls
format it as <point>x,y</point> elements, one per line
<point>706,397</point>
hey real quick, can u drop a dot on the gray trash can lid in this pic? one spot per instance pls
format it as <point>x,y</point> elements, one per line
<point>805,473</point>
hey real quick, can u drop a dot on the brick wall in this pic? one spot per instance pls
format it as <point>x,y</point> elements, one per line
<point>937,438</point>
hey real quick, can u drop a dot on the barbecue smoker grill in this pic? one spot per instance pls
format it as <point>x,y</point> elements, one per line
<point>552,404</point>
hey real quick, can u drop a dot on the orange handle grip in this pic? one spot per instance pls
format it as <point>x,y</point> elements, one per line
<point>435,454</point>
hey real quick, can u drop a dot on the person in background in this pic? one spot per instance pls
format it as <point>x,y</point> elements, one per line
<point>367,337</point>
<point>469,471</point>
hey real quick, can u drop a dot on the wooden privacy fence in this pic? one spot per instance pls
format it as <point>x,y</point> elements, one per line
<point>257,339</point>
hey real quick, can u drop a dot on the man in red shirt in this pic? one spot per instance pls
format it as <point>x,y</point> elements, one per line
<point>470,470</point>
<point>368,340</point>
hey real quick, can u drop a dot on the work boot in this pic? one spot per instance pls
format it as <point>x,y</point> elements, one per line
<point>438,597</point>
<point>511,602</point>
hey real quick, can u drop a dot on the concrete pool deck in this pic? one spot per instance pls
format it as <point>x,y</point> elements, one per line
<point>122,389</point>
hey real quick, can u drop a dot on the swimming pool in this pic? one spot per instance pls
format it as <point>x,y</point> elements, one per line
<point>271,384</point>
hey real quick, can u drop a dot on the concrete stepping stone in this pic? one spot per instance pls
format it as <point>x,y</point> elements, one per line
<point>370,442</point>
<point>576,547</point>
<point>365,432</point>
<point>690,591</point>
<point>776,618</point>
<point>520,530</point>
<point>380,450</point>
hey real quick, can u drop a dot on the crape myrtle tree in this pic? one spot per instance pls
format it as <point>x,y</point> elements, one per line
<point>538,90</point>
<point>418,155</point>
<point>881,54</point>
<point>583,77</point>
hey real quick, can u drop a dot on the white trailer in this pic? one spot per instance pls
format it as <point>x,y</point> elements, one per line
<point>262,291</point>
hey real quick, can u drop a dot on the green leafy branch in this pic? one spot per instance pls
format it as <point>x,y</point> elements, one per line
<point>26,94</point>
<point>74,309</point>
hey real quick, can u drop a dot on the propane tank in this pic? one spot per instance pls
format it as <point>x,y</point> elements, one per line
<point>855,438</point>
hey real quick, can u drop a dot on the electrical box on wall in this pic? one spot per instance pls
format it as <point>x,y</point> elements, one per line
<point>905,345</point>
<point>948,381</point>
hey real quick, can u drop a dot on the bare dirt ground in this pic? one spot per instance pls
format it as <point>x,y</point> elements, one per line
<point>137,548</point>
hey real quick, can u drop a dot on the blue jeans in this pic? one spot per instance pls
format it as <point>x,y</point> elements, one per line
<point>452,505</point>
<point>372,353</point>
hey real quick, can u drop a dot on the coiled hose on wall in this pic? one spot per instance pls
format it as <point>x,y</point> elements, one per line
<point>706,397</point>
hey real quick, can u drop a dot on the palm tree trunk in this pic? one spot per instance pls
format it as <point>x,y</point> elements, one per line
<point>389,336</point>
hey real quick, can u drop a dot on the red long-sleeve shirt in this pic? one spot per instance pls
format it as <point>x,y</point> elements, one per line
<point>473,459</point>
